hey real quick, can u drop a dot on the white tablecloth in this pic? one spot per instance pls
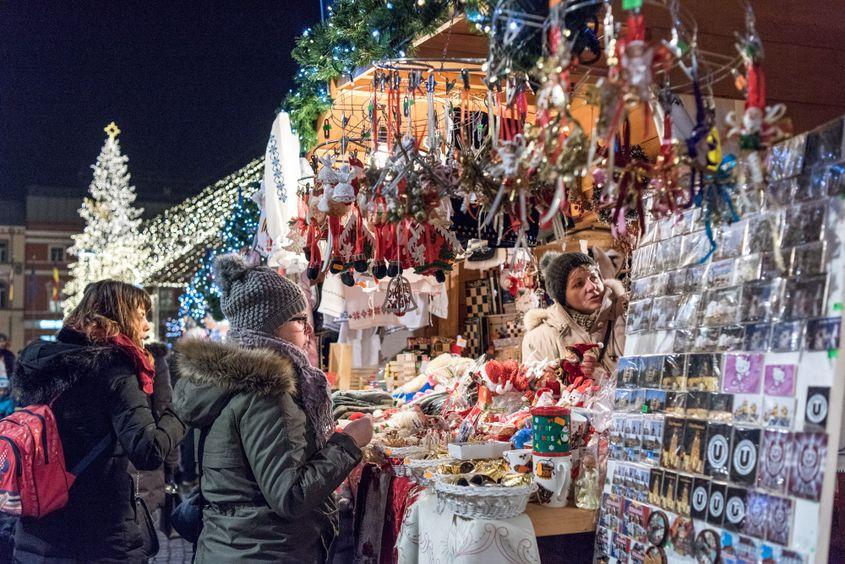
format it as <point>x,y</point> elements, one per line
<point>434,535</point>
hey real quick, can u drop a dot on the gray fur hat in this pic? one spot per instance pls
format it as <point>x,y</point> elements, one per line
<point>255,297</point>
<point>557,267</point>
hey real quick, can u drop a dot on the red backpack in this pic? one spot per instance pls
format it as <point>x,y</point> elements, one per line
<point>33,478</point>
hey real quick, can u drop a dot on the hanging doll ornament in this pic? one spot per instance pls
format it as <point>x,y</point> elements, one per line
<point>760,125</point>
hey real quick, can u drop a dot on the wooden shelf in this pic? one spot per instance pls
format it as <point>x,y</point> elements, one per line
<point>550,521</point>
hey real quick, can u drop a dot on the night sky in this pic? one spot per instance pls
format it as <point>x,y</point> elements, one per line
<point>192,85</point>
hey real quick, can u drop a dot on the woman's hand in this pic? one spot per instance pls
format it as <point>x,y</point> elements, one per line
<point>361,431</point>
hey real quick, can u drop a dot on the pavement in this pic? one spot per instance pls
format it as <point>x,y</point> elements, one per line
<point>173,551</point>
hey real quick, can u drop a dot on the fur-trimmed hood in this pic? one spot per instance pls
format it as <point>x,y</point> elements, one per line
<point>46,369</point>
<point>615,301</point>
<point>211,372</point>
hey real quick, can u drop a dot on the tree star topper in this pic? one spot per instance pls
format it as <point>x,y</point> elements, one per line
<point>112,130</point>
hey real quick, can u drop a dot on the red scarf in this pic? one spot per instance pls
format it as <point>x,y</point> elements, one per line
<point>140,361</point>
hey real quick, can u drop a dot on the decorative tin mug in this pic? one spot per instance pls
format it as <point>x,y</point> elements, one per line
<point>554,474</point>
<point>551,426</point>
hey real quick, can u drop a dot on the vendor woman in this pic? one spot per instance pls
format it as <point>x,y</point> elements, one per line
<point>586,309</point>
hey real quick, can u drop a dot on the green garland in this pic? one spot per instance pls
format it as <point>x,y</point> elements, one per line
<point>357,33</point>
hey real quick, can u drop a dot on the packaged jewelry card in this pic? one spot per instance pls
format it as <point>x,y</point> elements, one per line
<point>804,223</point>
<point>757,504</point>
<point>720,273</point>
<point>744,455</point>
<point>694,437</point>
<point>683,491</point>
<point>716,506</point>
<point>761,301</point>
<point>673,443</point>
<point>787,336</point>
<point>743,373</point>
<point>721,407</point>
<point>735,509</point>
<point>757,337</point>
<point>655,496</point>
<point>779,379</point>
<point>809,452</point>
<point>805,297</point>
<point>633,437</point>
<point>722,306</point>
<point>718,451</point>
<point>809,259</point>
<point>617,436</point>
<point>699,498</point>
<point>628,372</point>
<point>667,490</point>
<point>686,316</point>
<point>748,408</point>
<point>639,316</point>
<point>774,460</point>
<point>676,403</point>
<point>651,368</point>
<point>823,334</point>
<point>778,412</point>
<point>816,409</point>
<point>652,440</point>
<point>779,520</point>
<point>747,269</point>
<point>731,240</point>
<point>698,405</point>
<point>763,233</point>
<point>655,401</point>
<point>674,377</point>
<point>704,372</point>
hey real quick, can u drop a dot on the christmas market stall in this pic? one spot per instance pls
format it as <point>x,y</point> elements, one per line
<point>470,168</point>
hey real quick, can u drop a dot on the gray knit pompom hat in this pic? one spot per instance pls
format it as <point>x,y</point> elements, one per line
<point>255,297</point>
<point>557,267</point>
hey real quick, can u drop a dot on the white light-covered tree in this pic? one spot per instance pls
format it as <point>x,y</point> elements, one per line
<point>110,245</point>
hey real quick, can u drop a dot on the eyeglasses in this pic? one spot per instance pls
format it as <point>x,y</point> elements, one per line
<point>303,322</point>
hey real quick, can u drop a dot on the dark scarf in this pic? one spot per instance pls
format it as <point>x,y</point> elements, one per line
<point>313,389</point>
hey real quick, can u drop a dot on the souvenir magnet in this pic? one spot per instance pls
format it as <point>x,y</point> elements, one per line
<point>779,520</point>
<point>807,469</point>
<point>779,380</point>
<point>816,408</point>
<point>743,373</point>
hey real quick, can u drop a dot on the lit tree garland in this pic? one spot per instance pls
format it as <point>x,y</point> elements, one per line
<point>110,245</point>
<point>195,223</point>
<point>356,33</point>
<point>202,297</point>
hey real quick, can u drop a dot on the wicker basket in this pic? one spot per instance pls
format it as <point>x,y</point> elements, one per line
<point>483,502</point>
<point>421,470</point>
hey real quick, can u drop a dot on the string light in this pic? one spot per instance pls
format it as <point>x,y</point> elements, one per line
<point>176,235</point>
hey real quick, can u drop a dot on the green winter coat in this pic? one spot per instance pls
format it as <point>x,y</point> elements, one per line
<point>267,487</point>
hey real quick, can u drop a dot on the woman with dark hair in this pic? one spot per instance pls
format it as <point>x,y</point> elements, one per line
<point>98,377</point>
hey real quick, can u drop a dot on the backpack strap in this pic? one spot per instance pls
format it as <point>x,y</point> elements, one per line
<point>92,455</point>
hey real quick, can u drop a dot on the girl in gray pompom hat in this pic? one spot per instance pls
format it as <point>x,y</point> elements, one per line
<point>586,309</point>
<point>271,458</point>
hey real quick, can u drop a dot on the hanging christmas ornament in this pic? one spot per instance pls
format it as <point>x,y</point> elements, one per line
<point>399,299</point>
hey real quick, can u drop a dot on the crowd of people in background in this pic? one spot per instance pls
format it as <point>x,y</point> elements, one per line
<point>248,421</point>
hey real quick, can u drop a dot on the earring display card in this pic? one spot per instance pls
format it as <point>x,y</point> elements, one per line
<point>735,509</point>
<point>716,505</point>
<point>743,373</point>
<point>699,498</point>
<point>718,451</point>
<point>816,408</point>
<point>744,455</point>
<point>774,460</point>
<point>807,469</point>
<point>779,380</point>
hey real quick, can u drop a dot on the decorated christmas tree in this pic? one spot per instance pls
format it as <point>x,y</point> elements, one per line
<point>110,245</point>
<point>202,296</point>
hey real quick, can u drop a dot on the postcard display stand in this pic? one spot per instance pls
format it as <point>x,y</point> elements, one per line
<point>723,444</point>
